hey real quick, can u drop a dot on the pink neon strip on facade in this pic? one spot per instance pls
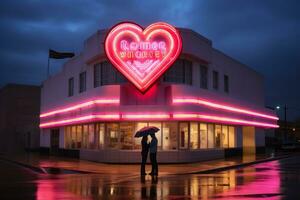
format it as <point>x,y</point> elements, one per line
<point>81,119</point>
<point>81,105</point>
<point>187,116</point>
<point>146,116</point>
<point>221,106</point>
<point>163,116</point>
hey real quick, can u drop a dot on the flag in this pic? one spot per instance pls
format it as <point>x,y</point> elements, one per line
<point>60,55</point>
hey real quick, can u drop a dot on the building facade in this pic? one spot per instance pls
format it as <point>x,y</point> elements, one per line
<point>19,118</point>
<point>205,104</point>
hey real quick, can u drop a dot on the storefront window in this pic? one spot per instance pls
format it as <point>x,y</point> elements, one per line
<point>112,135</point>
<point>126,135</point>
<point>79,137</point>
<point>68,137</point>
<point>137,141</point>
<point>183,135</point>
<point>225,136</point>
<point>85,136</point>
<point>73,136</point>
<point>231,133</point>
<point>91,136</point>
<point>170,135</point>
<point>100,129</point>
<point>194,137</point>
<point>203,136</point>
<point>157,134</point>
<point>218,132</point>
<point>210,136</point>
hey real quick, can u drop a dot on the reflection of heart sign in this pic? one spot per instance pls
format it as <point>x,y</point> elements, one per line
<point>142,56</point>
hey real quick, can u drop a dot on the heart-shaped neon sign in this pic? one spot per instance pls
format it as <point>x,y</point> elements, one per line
<point>143,55</point>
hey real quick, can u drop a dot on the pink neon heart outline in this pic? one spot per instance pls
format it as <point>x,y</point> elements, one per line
<point>139,33</point>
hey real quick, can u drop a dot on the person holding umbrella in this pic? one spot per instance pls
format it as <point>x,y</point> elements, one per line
<point>144,132</point>
<point>145,150</point>
<point>153,151</point>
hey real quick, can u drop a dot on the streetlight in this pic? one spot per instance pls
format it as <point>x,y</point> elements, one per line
<point>285,120</point>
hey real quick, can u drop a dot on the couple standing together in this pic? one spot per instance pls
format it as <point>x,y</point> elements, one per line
<point>152,147</point>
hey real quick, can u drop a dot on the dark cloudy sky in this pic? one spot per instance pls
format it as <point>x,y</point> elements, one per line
<point>264,34</point>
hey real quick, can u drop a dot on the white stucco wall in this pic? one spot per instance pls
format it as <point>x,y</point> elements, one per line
<point>45,138</point>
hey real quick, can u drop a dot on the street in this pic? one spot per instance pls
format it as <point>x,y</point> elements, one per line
<point>277,179</point>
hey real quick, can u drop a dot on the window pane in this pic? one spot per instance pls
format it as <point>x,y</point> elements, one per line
<point>68,137</point>
<point>175,74</point>
<point>79,136</point>
<point>85,135</point>
<point>218,132</point>
<point>226,83</point>
<point>183,135</point>
<point>126,135</point>
<point>97,75</point>
<point>71,87</point>
<point>188,67</point>
<point>112,135</point>
<point>170,135</point>
<point>203,76</point>
<point>109,75</point>
<point>225,136</point>
<point>231,131</point>
<point>82,82</point>
<point>137,141</point>
<point>91,136</point>
<point>158,134</point>
<point>215,80</point>
<point>203,136</point>
<point>100,135</point>
<point>194,137</point>
<point>211,136</point>
<point>73,128</point>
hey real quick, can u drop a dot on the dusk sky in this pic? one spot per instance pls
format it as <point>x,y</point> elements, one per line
<point>263,34</point>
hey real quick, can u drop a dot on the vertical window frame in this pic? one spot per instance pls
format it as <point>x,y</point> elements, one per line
<point>203,76</point>
<point>226,83</point>
<point>82,82</point>
<point>215,80</point>
<point>71,87</point>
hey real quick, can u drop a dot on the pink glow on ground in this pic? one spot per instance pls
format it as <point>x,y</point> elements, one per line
<point>266,184</point>
<point>222,106</point>
<point>81,105</point>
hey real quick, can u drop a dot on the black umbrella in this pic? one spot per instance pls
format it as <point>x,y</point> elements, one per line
<point>146,131</point>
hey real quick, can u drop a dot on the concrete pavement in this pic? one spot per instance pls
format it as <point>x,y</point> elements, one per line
<point>40,164</point>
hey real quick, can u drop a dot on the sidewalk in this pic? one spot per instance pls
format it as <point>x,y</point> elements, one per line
<point>39,163</point>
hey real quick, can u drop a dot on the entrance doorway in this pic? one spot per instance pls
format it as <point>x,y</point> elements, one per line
<point>54,141</point>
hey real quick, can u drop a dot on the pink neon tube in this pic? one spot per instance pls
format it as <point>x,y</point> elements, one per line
<point>81,105</point>
<point>186,116</point>
<point>162,116</point>
<point>222,106</point>
<point>146,116</point>
<point>80,119</point>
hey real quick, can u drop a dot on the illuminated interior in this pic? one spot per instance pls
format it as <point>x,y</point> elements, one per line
<point>172,135</point>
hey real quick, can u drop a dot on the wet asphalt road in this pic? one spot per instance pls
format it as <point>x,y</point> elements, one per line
<point>270,180</point>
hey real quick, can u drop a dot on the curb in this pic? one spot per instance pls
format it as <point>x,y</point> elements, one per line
<point>33,168</point>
